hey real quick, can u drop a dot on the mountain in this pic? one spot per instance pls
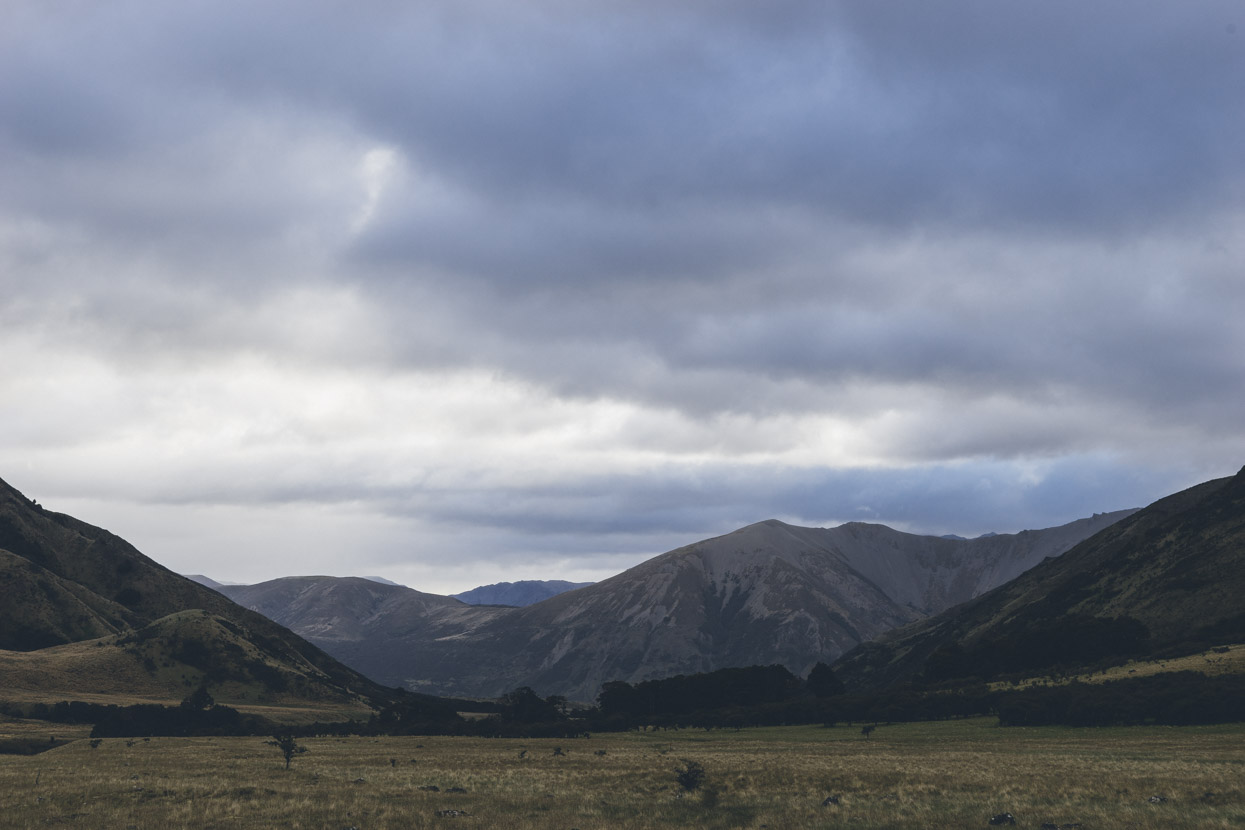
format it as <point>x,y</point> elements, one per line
<point>333,611</point>
<point>518,594</point>
<point>205,581</point>
<point>67,583</point>
<point>1166,580</point>
<point>767,593</point>
<point>382,580</point>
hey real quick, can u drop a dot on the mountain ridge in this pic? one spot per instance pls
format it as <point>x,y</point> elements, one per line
<point>768,592</point>
<point>68,582</point>
<point>1167,577</point>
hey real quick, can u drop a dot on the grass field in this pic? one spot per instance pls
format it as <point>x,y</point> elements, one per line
<point>934,775</point>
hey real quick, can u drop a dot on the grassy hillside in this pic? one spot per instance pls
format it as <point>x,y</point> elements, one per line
<point>1165,582</point>
<point>1212,662</point>
<point>167,661</point>
<point>85,614</point>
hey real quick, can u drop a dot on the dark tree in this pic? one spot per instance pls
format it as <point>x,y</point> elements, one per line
<point>199,699</point>
<point>415,714</point>
<point>619,698</point>
<point>288,746</point>
<point>559,703</point>
<point>823,683</point>
<point>525,706</point>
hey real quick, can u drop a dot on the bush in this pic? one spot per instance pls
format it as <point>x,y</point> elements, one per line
<point>690,776</point>
<point>288,746</point>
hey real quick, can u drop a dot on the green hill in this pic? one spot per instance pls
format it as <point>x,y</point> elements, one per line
<point>85,615</point>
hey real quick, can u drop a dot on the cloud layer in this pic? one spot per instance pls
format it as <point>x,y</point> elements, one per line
<point>456,291</point>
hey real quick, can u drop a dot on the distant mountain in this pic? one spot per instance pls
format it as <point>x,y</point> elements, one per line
<point>205,581</point>
<point>388,632</point>
<point>767,593</point>
<point>1166,580</point>
<point>518,594</point>
<point>382,580</point>
<point>66,582</point>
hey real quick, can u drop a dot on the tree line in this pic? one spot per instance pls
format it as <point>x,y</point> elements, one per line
<point>727,698</point>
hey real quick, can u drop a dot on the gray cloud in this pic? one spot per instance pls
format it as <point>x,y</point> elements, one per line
<point>712,262</point>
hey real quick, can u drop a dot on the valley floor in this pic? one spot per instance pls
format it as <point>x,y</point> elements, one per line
<point>930,775</point>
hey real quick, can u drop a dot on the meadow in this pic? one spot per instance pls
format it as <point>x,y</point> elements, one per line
<point>925,775</point>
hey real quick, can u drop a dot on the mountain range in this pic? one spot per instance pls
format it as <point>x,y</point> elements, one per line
<point>85,614</point>
<point>767,593</point>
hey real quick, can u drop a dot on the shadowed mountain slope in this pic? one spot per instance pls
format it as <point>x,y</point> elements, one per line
<point>1166,579</point>
<point>66,582</point>
<point>767,593</point>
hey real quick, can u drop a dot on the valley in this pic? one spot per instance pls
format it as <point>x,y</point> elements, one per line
<point>946,774</point>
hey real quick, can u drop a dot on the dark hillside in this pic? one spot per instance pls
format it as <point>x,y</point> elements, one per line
<point>66,581</point>
<point>1166,580</point>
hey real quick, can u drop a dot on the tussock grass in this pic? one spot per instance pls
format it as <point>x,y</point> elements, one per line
<point>144,667</point>
<point>1212,662</point>
<point>939,775</point>
<point>1229,659</point>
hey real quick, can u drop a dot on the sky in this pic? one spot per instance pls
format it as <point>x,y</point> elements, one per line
<point>456,292</point>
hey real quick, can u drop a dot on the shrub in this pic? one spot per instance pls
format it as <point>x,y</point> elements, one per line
<point>288,746</point>
<point>690,776</point>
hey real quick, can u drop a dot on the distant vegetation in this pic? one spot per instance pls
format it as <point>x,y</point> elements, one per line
<point>727,698</point>
<point>1177,698</point>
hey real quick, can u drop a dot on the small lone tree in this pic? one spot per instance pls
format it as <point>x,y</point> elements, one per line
<point>867,730</point>
<point>690,776</point>
<point>288,746</point>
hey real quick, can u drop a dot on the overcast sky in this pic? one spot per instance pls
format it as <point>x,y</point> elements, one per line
<point>459,292</point>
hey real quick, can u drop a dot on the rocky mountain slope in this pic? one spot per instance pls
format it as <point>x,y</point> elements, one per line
<point>1166,580</point>
<point>518,594</point>
<point>767,593</point>
<point>66,582</point>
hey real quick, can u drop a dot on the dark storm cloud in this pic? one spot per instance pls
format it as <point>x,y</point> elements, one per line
<point>906,113</point>
<point>911,113</point>
<point>972,237</point>
<point>680,502</point>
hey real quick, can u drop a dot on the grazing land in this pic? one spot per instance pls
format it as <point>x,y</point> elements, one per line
<point>1212,662</point>
<point>923,775</point>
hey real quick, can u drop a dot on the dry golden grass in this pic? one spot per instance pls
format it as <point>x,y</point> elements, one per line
<point>26,729</point>
<point>117,676</point>
<point>1222,660</point>
<point>941,775</point>
<point>1210,662</point>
